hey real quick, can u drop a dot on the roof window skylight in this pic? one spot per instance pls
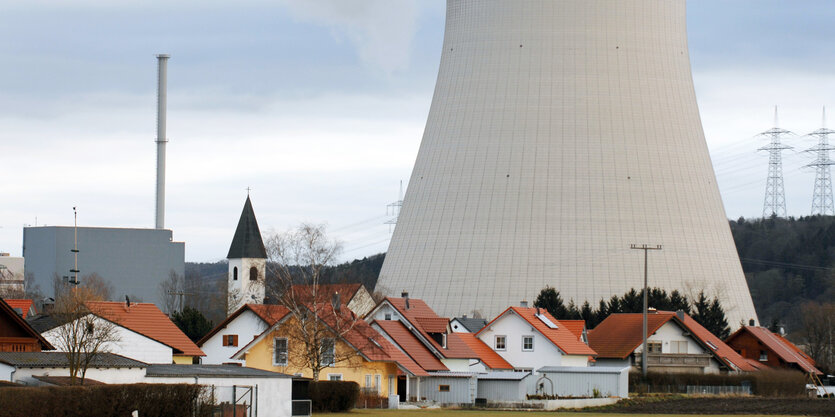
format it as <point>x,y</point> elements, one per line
<point>547,321</point>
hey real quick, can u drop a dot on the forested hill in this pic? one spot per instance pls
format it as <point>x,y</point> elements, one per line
<point>787,262</point>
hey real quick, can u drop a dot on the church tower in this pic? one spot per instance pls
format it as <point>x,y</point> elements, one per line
<point>247,262</point>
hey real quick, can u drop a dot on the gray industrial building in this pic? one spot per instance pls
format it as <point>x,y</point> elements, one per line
<point>135,261</point>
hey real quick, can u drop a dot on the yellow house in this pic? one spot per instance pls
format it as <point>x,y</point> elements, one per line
<point>361,355</point>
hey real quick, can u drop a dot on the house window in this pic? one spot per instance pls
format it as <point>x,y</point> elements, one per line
<point>369,382</point>
<point>443,388</point>
<point>500,343</point>
<point>253,274</point>
<point>678,346</point>
<point>763,355</point>
<point>378,380</point>
<point>654,347</point>
<point>388,316</point>
<point>334,377</point>
<point>527,343</point>
<point>230,340</point>
<point>280,357</point>
<point>327,351</point>
<point>235,273</point>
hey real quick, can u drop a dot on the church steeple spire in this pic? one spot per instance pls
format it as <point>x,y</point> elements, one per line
<point>247,242</point>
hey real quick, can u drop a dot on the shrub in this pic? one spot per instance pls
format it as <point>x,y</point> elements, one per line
<point>151,400</point>
<point>766,383</point>
<point>333,396</point>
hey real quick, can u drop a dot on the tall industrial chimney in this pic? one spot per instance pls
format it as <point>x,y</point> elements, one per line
<point>161,139</point>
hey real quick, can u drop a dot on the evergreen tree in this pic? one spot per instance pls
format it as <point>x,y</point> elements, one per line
<point>192,322</point>
<point>711,316</point>
<point>586,313</point>
<point>614,306</point>
<point>573,312</point>
<point>549,299</point>
<point>632,302</point>
<point>679,302</point>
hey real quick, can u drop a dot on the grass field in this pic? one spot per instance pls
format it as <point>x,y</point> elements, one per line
<point>467,413</point>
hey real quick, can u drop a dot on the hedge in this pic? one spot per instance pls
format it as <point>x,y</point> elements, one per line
<point>333,396</point>
<point>766,383</point>
<point>152,400</point>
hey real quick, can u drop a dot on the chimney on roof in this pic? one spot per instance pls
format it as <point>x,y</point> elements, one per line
<point>680,314</point>
<point>782,331</point>
<point>405,296</point>
<point>335,301</point>
<point>523,304</point>
<point>537,311</point>
<point>651,310</point>
<point>752,323</point>
<point>464,316</point>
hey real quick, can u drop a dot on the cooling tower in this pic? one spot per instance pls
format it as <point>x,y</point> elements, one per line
<point>560,133</point>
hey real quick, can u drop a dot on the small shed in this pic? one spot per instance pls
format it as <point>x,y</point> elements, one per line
<point>503,386</point>
<point>570,381</point>
<point>448,387</point>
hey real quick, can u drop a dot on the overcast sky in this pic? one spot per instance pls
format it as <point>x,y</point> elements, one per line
<point>319,107</point>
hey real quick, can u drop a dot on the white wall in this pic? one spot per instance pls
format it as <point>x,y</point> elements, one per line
<point>544,352</point>
<point>247,325</point>
<point>6,372</point>
<point>671,332</point>
<point>243,288</point>
<point>106,375</point>
<point>458,365</point>
<point>274,394</point>
<point>380,313</point>
<point>131,344</point>
<point>362,302</point>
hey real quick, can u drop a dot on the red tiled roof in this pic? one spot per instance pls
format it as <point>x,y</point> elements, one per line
<point>620,334</point>
<point>411,345</point>
<point>8,311</point>
<point>490,358</point>
<point>326,291</point>
<point>147,320</point>
<point>781,347</point>
<point>269,313</point>
<point>23,305</point>
<point>575,326</point>
<point>561,337</point>
<point>433,324</point>
<point>365,339</point>
<point>419,313</point>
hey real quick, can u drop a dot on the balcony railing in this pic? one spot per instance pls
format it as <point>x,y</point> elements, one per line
<point>676,360</point>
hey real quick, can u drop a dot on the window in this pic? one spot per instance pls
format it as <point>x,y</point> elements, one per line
<point>378,380</point>
<point>334,377</point>
<point>443,388</point>
<point>678,346</point>
<point>763,355</point>
<point>327,351</point>
<point>230,340</point>
<point>235,273</point>
<point>253,274</point>
<point>547,321</point>
<point>369,382</point>
<point>653,347</point>
<point>388,316</point>
<point>712,346</point>
<point>527,343</point>
<point>280,356</point>
<point>501,343</point>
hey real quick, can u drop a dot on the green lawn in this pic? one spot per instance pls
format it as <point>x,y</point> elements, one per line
<point>463,413</point>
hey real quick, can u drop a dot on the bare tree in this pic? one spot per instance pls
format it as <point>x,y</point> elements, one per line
<point>82,335</point>
<point>297,259</point>
<point>818,332</point>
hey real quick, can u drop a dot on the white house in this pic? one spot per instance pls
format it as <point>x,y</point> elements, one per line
<point>142,332</point>
<point>240,328</point>
<point>675,343</point>
<point>530,338</point>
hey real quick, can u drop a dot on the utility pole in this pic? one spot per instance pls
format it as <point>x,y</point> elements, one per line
<point>775,195</point>
<point>646,248</point>
<point>74,250</point>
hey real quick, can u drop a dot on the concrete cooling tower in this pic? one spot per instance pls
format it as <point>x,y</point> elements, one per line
<point>560,133</point>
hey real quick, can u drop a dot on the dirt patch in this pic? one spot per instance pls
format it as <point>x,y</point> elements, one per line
<point>724,405</point>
